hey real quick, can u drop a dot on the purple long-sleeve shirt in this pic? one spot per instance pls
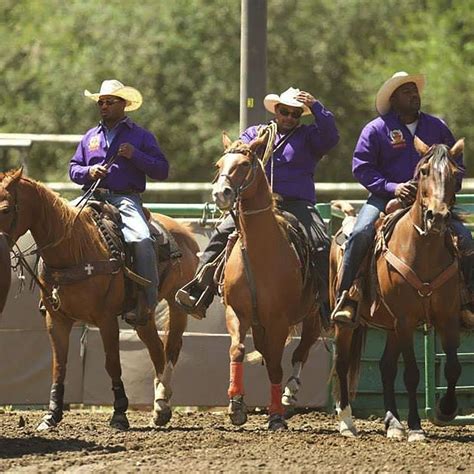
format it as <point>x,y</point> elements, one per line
<point>124,174</point>
<point>295,161</point>
<point>385,155</point>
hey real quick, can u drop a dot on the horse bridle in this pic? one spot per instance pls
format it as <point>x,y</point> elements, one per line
<point>248,180</point>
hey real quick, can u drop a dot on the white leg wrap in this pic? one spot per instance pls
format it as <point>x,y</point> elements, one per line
<point>163,384</point>
<point>292,386</point>
<point>345,420</point>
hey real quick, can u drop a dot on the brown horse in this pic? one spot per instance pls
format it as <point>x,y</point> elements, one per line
<point>5,278</point>
<point>66,238</point>
<point>418,283</point>
<point>263,287</point>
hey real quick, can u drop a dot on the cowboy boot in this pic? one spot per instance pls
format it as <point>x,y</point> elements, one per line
<point>345,309</point>
<point>141,314</point>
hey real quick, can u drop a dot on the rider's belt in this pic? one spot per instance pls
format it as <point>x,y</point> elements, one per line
<point>100,192</point>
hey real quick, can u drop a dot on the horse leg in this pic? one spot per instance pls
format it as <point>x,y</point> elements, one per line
<point>109,332</point>
<point>237,329</point>
<point>309,335</point>
<point>388,371</point>
<point>447,407</point>
<point>163,371</point>
<point>274,346</point>
<point>343,342</point>
<point>59,329</point>
<point>411,377</point>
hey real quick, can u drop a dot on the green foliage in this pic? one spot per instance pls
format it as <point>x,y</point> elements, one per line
<point>183,55</point>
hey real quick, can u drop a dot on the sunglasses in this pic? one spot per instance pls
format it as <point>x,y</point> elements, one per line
<point>107,102</point>
<point>296,114</point>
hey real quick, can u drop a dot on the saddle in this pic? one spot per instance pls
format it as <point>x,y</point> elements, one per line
<point>108,221</point>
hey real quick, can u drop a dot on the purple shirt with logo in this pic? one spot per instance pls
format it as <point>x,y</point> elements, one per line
<point>294,162</point>
<point>385,154</point>
<point>124,174</point>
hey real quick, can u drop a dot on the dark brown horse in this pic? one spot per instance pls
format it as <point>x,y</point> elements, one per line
<point>263,286</point>
<point>5,273</point>
<point>66,238</point>
<point>418,283</point>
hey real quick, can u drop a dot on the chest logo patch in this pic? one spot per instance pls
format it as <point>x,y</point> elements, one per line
<point>94,143</point>
<point>397,139</point>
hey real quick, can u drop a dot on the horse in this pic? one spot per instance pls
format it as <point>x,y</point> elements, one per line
<point>65,238</point>
<point>418,282</point>
<point>263,287</point>
<point>5,280</point>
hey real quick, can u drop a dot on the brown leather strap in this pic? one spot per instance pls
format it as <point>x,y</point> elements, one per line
<point>424,288</point>
<point>73,274</point>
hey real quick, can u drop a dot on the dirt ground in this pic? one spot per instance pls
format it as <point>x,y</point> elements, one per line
<point>206,441</point>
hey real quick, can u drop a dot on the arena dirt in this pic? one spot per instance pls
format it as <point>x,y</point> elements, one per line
<point>206,441</point>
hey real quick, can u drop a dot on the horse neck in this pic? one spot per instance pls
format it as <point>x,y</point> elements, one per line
<point>54,226</point>
<point>257,219</point>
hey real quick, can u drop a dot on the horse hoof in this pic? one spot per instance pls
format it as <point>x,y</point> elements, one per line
<point>349,432</point>
<point>47,423</point>
<point>237,411</point>
<point>441,416</point>
<point>277,423</point>
<point>395,433</point>
<point>119,422</point>
<point>416,435</point>
<point>162,417</point>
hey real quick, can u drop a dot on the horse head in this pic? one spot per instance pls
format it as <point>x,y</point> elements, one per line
<point>237,171</point>
<point>437,174</point>
<point>9,211</point>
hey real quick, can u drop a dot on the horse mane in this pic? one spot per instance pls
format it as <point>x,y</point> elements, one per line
<point>440,158</point>
<point>78,229</point>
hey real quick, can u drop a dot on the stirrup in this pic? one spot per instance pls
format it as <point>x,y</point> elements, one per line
<point>195,307</point>
<point>343,313</point>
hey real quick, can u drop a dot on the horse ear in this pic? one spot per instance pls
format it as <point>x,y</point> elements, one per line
<point>420,146</point>
<point>13,176</point>
<point>457,148</point>
<point>226,141</point>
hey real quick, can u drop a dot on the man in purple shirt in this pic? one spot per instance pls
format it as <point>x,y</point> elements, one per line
<point>121,155</point>
<point>384,162</point>
<point>290,172</point>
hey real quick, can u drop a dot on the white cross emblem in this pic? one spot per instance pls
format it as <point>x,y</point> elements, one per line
<point>89,269</point>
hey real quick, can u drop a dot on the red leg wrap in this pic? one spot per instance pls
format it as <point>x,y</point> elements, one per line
<point>276,406</point>
<point>236,384</point>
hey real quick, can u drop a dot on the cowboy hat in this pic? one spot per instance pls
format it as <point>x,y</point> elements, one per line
<point>382,101</point>
<point>116,88</point>
<point>286,98</point>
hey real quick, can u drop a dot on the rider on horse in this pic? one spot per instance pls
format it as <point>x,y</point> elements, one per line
<point>295,151</point>
<point>384,162</point>
<point>122,154</point>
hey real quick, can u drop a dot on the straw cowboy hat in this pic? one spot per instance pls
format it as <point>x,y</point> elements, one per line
<point>116,88</point>
<point>382,101</point>
<point>286,98</point>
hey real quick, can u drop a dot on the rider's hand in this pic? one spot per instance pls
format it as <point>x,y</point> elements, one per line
<point>97,172</point>
<point>406,191</point>
<point>126,150</point>
<point>306,98</point>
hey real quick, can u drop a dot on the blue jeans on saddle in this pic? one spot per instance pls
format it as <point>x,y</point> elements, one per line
<point>363,234</point>
<point>136,233</point>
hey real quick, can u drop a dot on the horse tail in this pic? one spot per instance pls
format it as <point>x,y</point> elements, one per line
<point>256,357</point>
<point>357,347</point>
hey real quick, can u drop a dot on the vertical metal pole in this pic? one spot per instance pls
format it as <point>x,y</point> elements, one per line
<point>430,376</point>
<point>253,62</point>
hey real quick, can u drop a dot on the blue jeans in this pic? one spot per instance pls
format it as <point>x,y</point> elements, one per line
<point>136,233</point>
<point>364,232</point>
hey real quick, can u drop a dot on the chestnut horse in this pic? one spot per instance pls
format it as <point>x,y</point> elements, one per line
<point>263,287</point>
<point>418,283</point>
<point>5,273</point>
<point>66,238</point>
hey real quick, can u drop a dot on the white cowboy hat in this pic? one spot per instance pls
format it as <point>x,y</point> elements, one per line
<point>382,100</point>
<point>286,98</point>
<point>113,87</point>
